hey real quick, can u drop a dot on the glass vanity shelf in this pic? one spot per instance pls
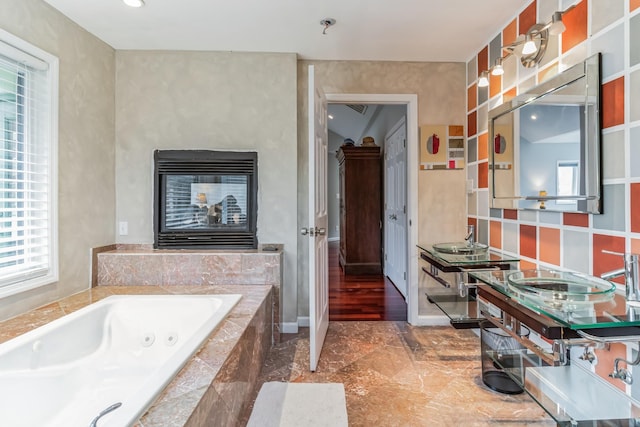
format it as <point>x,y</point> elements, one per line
<point>610,312</point>
<point>480,258</point>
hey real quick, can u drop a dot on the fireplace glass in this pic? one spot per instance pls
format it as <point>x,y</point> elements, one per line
<point>205,199</point>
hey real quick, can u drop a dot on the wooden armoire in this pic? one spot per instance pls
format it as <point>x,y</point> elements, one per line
<point>360,173</point>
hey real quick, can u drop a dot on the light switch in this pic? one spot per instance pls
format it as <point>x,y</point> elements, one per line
<point>123,228</point>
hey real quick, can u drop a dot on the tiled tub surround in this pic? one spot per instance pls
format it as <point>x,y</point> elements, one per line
<point>134,265</point>
<point>216,384</point>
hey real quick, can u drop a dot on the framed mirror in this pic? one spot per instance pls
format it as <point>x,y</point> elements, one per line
<point>545,144</point>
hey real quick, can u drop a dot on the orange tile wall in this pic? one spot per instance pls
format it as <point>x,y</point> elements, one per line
<point>613,103</point>
<point>576,22</point>
<point>527,18</point>
<point>550,245</point>
<point>528,241</point>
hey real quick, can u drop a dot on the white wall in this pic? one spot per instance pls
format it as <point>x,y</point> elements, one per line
<point>213,101</point>
<point>333,185</point>
<point>86,150</point>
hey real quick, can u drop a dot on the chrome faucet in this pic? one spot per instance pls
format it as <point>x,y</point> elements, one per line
<point>470,238</point>
<point>630,273</point>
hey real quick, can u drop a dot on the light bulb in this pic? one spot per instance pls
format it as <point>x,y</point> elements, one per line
<point>134,3</point>
<point>529,46</point>
<point>497,69</point>
<point>483,80</point>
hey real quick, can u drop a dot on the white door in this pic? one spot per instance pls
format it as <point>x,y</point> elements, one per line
<point>395,212</point>
<point>318,249</point>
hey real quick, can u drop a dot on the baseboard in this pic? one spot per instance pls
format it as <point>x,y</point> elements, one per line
<point>433,320</point>
<point>289,327</point>
<point>334,239</point>
<point>303,321</point>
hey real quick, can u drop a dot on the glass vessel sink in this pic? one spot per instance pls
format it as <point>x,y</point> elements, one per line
<point>460,248</point>
<point>559,289</point>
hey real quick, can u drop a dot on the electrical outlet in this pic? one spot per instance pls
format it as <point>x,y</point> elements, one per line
<point>123,228</point>
<point>337,228</point>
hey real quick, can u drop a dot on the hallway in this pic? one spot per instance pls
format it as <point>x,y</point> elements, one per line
<point>362,297</point>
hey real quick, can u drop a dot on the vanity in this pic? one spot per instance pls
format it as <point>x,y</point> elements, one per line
<point>573,319</point>
<point>548,332</point>
<point>446,281</point>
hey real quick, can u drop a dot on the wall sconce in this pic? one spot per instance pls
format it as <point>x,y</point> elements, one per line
<point>483,80</point>
<point>529,47</point>
<point>497,69</point>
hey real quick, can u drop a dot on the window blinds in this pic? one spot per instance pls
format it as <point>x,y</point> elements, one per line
<point>26,208</point>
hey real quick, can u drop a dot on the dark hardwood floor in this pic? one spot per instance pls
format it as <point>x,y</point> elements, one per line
<point>362,297</point>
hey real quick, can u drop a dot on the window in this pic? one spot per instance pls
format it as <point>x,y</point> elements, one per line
<point>28,166</point>
<point>568,174</point>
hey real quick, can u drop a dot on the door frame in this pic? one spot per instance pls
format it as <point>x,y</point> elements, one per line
<point>413,156</point>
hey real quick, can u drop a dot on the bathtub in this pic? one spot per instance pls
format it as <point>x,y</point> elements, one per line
<point>113,357</point>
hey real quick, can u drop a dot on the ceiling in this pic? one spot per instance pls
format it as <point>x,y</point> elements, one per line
<point>380,30</point>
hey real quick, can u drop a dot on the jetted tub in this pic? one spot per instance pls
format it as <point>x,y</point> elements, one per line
<point>112,357</point>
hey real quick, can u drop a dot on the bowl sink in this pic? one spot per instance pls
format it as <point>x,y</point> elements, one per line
<point>460,248</point>
<point>559,289</point>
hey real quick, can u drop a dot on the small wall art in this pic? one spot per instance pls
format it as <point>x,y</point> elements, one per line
<point>441,147</point>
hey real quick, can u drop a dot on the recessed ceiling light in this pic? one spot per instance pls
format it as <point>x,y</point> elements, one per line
<point>134,3</point>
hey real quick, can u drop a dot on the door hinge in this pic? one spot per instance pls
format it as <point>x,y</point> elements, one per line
<point>404,209</point>
<point>385,257</point>
<point>405,275</point>
<point>404,143</point>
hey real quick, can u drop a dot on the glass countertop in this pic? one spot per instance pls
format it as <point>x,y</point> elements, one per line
<point>611,313</point>
<point>462,260</point>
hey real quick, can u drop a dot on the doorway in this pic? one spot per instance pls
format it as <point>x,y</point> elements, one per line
<point>372,296</point>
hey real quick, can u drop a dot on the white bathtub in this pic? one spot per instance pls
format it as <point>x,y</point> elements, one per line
<point>123,349</point>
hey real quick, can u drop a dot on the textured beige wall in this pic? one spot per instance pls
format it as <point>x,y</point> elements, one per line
<point>86,143</point>
<point>213,101</point>
<point>441,99</point>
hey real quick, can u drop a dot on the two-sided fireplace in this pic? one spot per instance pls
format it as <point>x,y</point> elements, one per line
<point>205,199</point>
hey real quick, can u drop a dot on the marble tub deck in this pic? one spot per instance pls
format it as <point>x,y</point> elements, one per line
<point>399,375</point>
<point>213,387</point>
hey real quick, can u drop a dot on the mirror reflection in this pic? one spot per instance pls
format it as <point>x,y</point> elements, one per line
<point>546,145</point>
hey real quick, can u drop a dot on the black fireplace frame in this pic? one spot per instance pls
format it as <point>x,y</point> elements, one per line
<point>205,162</point>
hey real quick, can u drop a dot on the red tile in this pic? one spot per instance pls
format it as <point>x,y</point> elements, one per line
<point>483,175</point>
<point>635,207</point>
<point>550,245</point>
<point>483,60</point>
<point>483,149</point>
<point>495,234</point>
<point>613,103</point>
<point>603,262</point>
<point>527,18</point>
<point>635,246</point>
<point>510,214</point>
<point>472,124</point>
<point>509,34</point>
<point>474,222</point>
<point>472,97</point>
<point>528,241</point>
<point>575,219</point>
<point>576,22</point>
<point>633,5</point>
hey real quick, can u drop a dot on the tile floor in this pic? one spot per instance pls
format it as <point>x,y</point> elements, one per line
<point>399,375</point>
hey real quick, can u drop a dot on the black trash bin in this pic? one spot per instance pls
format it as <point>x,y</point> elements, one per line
<point>500,350</point>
